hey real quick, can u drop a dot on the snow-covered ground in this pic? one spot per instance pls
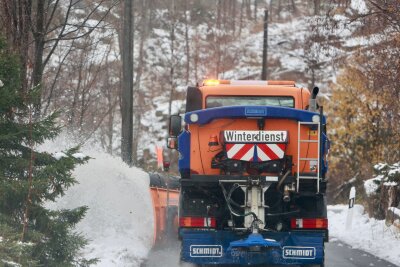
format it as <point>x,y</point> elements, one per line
<point>119,222</point>
<point>367,234</point>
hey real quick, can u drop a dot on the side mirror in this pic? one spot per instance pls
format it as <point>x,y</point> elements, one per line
<point>172,143</point>
<point>175,125</point>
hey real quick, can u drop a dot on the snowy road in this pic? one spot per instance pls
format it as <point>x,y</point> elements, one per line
<point>341,255</point>
<point>338,254</point>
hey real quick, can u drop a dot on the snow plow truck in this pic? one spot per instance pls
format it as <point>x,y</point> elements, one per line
<point>252,161</point>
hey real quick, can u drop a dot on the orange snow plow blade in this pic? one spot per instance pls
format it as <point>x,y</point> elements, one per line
<point>165,198</point>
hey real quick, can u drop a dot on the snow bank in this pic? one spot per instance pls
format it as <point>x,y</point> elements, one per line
<point>119,222</point>
<point>366,234</point>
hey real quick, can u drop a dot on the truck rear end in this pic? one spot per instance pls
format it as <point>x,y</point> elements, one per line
<point>252,164</point>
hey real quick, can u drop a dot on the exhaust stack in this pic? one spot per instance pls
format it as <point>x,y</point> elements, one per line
<point>312,106</point>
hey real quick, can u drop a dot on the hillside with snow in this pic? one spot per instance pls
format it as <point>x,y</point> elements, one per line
<point>309,49</point>
<point>177,48</point>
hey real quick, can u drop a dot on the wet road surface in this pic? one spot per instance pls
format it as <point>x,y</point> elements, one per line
<point>338,254</point>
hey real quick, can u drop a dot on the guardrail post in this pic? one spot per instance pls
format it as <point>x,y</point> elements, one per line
<point>349,219</point>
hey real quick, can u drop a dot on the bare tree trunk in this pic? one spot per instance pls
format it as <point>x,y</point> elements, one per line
<point>248,9</point>
<point>264,73</point>
<point>196,59</point>
<point>225,13</point>
<point>279,8</point>
<point>127,83</point>
<point>317,6</point>
<point>136,129</point>
<point>110,132</point>
<point>294,6</point>
<point>83,107</point>
<point>217,40</point>
<point>110,122</point>
<point>30,180</point>
<point>255,9</point>
<point>25,10</point>
<point>187,45</point>
<point>137,104</point>
<point>38,36</point>
<point>241,18</point>
<point>16,25</point>
<point>219,7</point>
<point>151,17</point>
<point>21,18</point>
<point>77,91</point>
<point>172,62</point>
<point>233,16</point>
<point>52,87</point>
<point>172,69</point>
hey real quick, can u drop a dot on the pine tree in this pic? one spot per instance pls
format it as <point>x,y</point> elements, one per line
<point>30,233</point>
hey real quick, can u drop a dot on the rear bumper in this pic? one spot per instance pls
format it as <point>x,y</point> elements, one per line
<point>213,247</point>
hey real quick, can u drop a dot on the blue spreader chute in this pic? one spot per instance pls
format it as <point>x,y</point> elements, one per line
<point>254,240</point>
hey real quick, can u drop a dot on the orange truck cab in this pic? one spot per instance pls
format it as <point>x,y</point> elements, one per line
<point>253,165</point>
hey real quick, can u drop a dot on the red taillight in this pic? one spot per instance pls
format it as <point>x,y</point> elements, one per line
<point>309,223</point>
<point>201,222</point>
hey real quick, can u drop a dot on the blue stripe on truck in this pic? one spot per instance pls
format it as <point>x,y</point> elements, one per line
<point>207,115</point>
<point>184,153</point>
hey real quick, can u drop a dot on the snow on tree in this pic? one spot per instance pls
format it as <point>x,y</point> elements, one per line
<point>383,190</point>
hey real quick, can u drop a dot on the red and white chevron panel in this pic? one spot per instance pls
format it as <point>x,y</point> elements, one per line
<point>255,152</point>
<point>240,151</point>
